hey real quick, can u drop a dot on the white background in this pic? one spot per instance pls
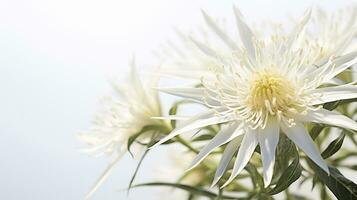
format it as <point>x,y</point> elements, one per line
<point>55,60</point>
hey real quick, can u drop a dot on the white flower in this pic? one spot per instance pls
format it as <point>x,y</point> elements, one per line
<point>123,115</point>
<point>196,53</point>
<point>192,55</point>
<point>332,33</point>
<point>265,88</point>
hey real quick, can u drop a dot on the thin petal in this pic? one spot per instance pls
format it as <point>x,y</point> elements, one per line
<point>345,58</point>
<point>196,122</point>
<point>302,139</point>
<point>219,31</point>
<point>340,64</point>
<point>345,41</point>
<point>191,93</point>
<point>245,33</point>
<point>225,135</point>
<point>336,81</point>
<point>227,156</point>
<point>324,116</point>
<point>296,36</point>
<point>172,117</point>
<point>104,175</point>
<point>134,76</point>
<point>330,94</point>
<point>204,48</point>
<point>332,68</point>
<point>268,140</point>
<point>246,150</point>
<point>191,74</point>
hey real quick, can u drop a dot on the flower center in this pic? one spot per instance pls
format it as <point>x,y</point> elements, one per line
<point>270,92</point>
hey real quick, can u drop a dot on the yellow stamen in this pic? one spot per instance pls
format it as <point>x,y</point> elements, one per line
<point>270,92</point>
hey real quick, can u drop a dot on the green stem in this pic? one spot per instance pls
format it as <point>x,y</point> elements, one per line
<point>186,144</point>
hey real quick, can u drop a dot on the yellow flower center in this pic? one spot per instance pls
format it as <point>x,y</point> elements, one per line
<point>270,92</point>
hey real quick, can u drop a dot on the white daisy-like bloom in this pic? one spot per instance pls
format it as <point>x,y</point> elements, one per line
<point>196,53</point>
<point>123,115</point>
<point>332,33</point>
<point>266,89</point>
<point>190,56</point>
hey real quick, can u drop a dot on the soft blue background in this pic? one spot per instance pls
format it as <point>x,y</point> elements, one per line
<point>55,60</point>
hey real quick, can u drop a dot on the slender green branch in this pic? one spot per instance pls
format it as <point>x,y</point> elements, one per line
<point>186,144</point>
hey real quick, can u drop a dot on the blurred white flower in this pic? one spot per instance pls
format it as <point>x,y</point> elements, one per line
<point>198,53</point>
<point>123,115</point>
<point>191,55</point>
<point>264,88</point>
<point>332,33</point>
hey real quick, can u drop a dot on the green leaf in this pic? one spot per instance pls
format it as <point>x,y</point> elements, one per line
<point>289,176</point>
<point>316,130</point>
<point>203,138</point>
<point>315,180</point>
<point>131,141</point>
<point>173,110</point>
<point>257,179</point>
<point>285,150</point>
<point>152,141</point>
<point>332,105</point>
<point>192,190</point>
<point>147,128</point>
<point>333,147</point>
<point>340,186</point>
<point>136,170</point>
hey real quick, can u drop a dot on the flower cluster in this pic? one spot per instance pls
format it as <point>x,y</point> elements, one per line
<point>270,98</point>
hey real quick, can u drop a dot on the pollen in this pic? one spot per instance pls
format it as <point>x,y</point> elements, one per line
<point>270,92</point>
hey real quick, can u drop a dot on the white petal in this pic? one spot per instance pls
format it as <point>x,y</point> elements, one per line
<point>246,150</point>
<point>345,58</point>
<point>219,32</point>
<point>345,40</point>
<point>191,93</point>
<point>336,81</point>
<point>196,122</point>
<point>104,175</point>
<point>245,33</point>
<point>340,64</point>
<point>302,139</point>
<point>337,65</point>
<point>296,36</point>
<point>226,134</point>
<point>324,116</point>
<point>228,153</point>
<point>330,94</point>
<point>134,77</point>
<point>172,117</point>
<point>191,74</point>
<point>204,48</point>
<point>268,140</point>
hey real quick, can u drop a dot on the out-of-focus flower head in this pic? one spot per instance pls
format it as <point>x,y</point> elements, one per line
<point>332,33</point>
<point>123,115</point>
